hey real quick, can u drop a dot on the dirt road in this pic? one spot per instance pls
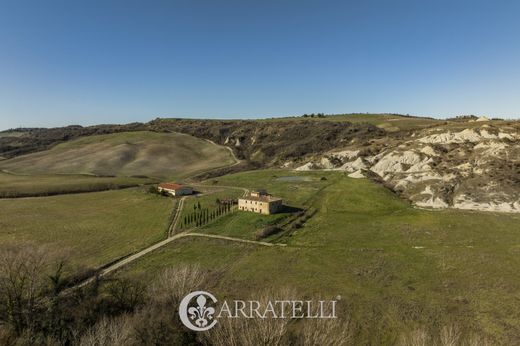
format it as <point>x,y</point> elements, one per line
<point>127,260</point>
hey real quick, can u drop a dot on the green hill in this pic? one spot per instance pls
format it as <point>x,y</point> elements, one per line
<point>159,155</point>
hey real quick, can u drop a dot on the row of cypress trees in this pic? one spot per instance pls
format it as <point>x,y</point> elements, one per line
<point>201,216</point>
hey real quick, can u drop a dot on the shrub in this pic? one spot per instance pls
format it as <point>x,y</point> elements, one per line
<point>267,231</point>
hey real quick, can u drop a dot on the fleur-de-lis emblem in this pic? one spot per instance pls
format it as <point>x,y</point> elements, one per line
<point>200,317</point>
<point>201,314</point>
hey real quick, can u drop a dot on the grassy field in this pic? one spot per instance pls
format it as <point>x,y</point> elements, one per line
<point>207,199</point>
<point>12,185</point>
<point>297,189</point>
<point>389,122</point>
<point>396,268</point>
<point>157,155</point>
<point>214,254</point>
<point>94,228</point>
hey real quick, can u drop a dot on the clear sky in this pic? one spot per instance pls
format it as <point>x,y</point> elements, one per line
<point>108,61</point>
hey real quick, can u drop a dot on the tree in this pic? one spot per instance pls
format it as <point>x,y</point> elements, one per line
<point>126,294</point>
<point>116,331</point>
<point>22,286</point>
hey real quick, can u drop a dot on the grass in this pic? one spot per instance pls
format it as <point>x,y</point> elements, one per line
<point>207,199</point>
<point>95,228</point>
<point>12,185</point>
<point>297,189</point>
<point>157,155</point>
<point>396,268</point>
<point>389,122</point>
<point>215,255</point>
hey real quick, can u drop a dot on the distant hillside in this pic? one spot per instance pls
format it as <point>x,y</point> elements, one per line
<point>274,141</point>
<point>254,140</point>
<point>160,155</point>
<point>21,141</point>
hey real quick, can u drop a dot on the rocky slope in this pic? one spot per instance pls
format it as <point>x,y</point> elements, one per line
<point>464,166</point>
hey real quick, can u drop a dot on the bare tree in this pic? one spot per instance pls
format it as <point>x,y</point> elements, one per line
<point>253,331</point>
<point>418,337</point>
<point>247,332</point>
<point>22,285</point>
<point>450,335</point>
<point>175,282</point>
<point>109,332</point>
<point>478,340</point>
<point>126,294</point>
<point>333,332</point>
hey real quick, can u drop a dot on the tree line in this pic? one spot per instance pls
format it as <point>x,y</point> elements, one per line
<point>201,216</point>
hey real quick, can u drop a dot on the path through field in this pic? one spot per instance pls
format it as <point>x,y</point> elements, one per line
<point>176,218</point>
<point>117,265</point>
<point>171,237</point>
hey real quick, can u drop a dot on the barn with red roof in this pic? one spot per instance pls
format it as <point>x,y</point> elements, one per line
<point>175,189</point>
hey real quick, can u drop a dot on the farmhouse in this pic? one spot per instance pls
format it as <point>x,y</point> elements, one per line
<point>260,202</point>
<point>175,189</point>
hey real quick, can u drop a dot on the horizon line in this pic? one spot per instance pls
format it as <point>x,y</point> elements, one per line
<point>268,117</point>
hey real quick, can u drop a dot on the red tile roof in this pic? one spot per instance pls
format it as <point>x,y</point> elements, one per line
<point>171,186</point>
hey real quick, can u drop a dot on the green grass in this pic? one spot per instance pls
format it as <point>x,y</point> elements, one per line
<point>396,268</point>
<point>95,228</point>
<point>158,155</point>
<point>390,122</point>
<point>12,185</point>
<point>211,254</point>
<point>207,200</point>
<point>296,193</point>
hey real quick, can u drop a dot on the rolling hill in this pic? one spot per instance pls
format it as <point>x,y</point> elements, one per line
<point>143,153</point>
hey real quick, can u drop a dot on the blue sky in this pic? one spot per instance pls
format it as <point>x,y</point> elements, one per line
<point>88,62</point>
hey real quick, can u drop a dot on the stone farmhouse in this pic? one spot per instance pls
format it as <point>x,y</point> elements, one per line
<point>260,202</point>
<point>175,189</point>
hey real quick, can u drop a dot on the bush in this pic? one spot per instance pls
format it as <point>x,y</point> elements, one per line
<point>297,224</point>
<point>267,231</point>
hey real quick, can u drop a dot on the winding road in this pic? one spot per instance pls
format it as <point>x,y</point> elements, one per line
<point>171,237</point>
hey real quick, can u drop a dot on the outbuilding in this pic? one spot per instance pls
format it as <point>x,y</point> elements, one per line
<point>175,189</point>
